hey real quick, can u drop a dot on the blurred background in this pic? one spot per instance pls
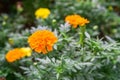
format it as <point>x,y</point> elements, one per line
<point>104,15</point>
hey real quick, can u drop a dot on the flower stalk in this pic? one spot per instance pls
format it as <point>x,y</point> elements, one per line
<point>82,35</point>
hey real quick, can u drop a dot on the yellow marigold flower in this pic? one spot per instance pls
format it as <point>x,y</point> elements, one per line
<point>42,13</point>
<point>17,54</point>
<point>76,20</point>
<point>42,41</point>
<point>26,50</point>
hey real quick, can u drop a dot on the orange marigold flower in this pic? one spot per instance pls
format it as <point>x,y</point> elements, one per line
<point>76,20</point>
<point>42,41</point>
<point>17,54</point>
<point>14,55</point>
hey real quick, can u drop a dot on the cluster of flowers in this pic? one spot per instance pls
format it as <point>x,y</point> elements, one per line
<point>42,41</point>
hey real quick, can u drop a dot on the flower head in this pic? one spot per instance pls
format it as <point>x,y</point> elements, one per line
<point>76,20</point>
<point>17,54</point>
<point>42,41</point>
<point>42,13</point>
<point>26,50</point>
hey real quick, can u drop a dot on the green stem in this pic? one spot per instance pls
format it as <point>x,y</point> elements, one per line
<point>82,35</point>
<point>64,34</point>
